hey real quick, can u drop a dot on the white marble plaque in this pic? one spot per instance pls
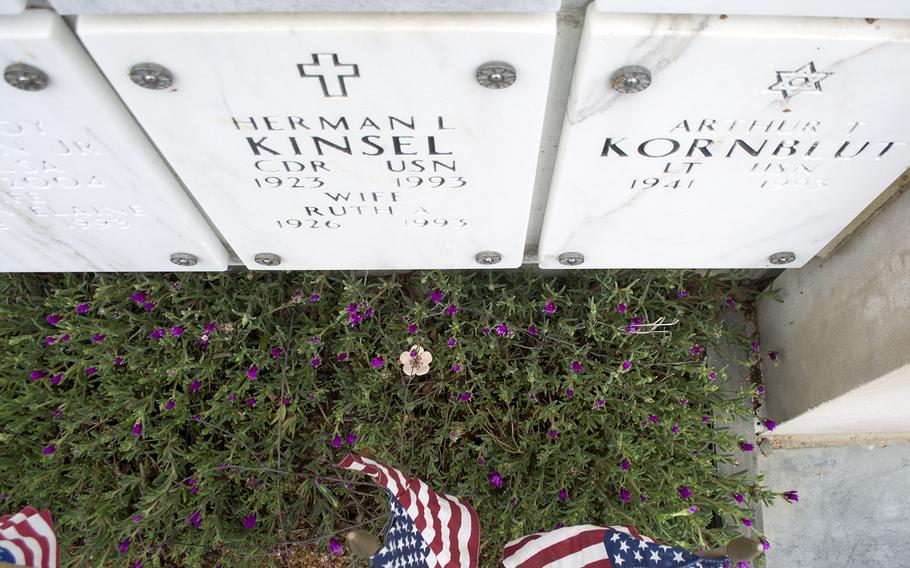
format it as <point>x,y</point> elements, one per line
<point>81,188</point>
<point>755,136</point>
<point>821,8</point>
<point>348,141</point>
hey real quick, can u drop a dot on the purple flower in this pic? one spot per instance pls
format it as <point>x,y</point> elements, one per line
<point>251,401</point>
<point>654,419</point>
<point>682,293</point>
<point>485,331</point>
<point>563,495</point>
<point>675,428</point>
<point>123,546</point>
<point>194,386</point>
<point>553,434</point>
<point>743,564</point>
<point>56,379</point>
<point>232,397</point>
<point>209,327</point>
<point>436,296</point>
<point>791,496</point>
<point>276,353</point>
<point>49,340</point>
<point>464,397</point>
<point>451,310</point>
<point>252,372</point>
<point>773,355</point>
<point>550,308</point>
<point>139,297</point>
<point>137,518</point>
<point>451,342</point>
<point>570,393</point>
<point>335,547</point>
<point>503,330</point>
<point>626,365</point>
<point>696,349</point>
<point>746,522</point>
<point>351,439</point>
<point>760,389</point>
<point>769,424</point>
<point>625,465</point>
<point>712,375</point>
<point>412,329</point>
<point>118,360</point>
<point>739,498</point>
<point>49,449</point>
<point>249,521</point>
<point>174,286</point>
<point>286,401</point>
<point>315,362</point>
<point>98,338</point>
<point>157,334</point>
<point>480,461</point>
<point>683,402</point>
<point>496,480</point>
<point>148,306</point>
<point>377,362</point>
<point>336,442</point>
<point>456,368</point>
<point>532,329</point>
<point>765,544</point>
<point>706,419</point>
<point>731,303</point>
<point>91,371</point>
<point>642,498</point>
<point>314,297</point>
<point>178,330</point>
<point>621,308</point>
<point>137,429</point>
<point>513,502</point>
<point>599,404</point>
<point>341,357</point>
<point>195,519</point>
<point>314,340</point>
<point>38,375</point>
<point>576,367</point>
<point>754,345</point>
<point>53,319</point>
<point>684,492</point>
<point>191,481</point>
<point>624,495</point>
<point>746,447</point>
<point>169,405</point>
<point>64,337</point>
<point>693,509</point>
<point>57,413</point>
<point>83,308</point>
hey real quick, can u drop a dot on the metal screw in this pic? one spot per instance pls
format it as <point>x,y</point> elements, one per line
<point>184,259</point>
<point>495,75</point>
<point>631,79</point>
<point>488,257</point>
<point>267,259</point>
<point>151,76</point>
<point>782,257</point>
<point>25,77</point>
<point>571,258</point>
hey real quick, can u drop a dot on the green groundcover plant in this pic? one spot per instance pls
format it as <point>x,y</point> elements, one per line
<point>194,419</point>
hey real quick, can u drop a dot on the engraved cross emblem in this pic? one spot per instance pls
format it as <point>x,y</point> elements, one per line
<point>330,72</point>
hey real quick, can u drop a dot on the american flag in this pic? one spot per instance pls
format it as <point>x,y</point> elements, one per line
<point>426,529</point>
<point>27,539</point>
<point>587,546</point>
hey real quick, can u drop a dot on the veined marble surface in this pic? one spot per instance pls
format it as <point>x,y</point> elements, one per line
<point>263,6</point>
<point>755,136</point>
<point>344,141</point>
<point>81,188</point>
<point>815,8</point>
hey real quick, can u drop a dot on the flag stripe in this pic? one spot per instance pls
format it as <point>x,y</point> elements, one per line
<point>554,545</point>
<point>447,524</point>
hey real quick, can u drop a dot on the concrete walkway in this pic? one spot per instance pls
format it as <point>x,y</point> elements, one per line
<point>853,509</point>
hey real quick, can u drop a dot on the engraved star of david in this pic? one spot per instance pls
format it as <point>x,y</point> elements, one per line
<point>804,79</point>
